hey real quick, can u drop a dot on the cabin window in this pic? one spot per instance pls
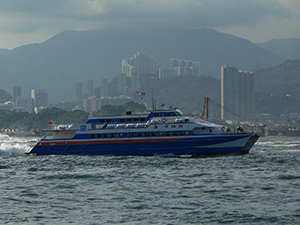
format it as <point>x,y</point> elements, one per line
<point>136,120</point>
<point>112,135</point>
<point>143,119</point>
<point>122,120</point>
<point>108,120</point>
<point>119,135</point>
<point>153,134</point>
<point>181,133</point>
<point>105,135</point>
<point>93,126</point>
<point>156,114</point>
<point>174,133</point>
<point>168,133</point>
<point>160,133</point>
<point>147,134</point>
<point>99,136</point>
<point>101,121</point>
<point>92,136</point>
<point>140,134</point>
<point>126,134</point>
<point>171,114</point>
<point>133,134</point>
<point>188,133</point>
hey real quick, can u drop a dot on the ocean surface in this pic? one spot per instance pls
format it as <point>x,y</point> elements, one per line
<point>262,187</point>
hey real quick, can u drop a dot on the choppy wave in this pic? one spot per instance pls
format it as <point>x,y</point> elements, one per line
<point>257,188</point>
<point>15,146</point>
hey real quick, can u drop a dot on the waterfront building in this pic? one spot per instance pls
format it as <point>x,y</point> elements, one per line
<point>79,92</point>
<point>16,93</point>
<point>121,83</point>
<point>237,94</point>
<point>87,105</point>
<point>94,102</point>
<point>104,87</point>
<point>40,100</point>
<point>21,104</point>
<point>90,88</point>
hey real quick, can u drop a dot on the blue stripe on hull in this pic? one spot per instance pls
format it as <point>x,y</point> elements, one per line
<point>187,146</point>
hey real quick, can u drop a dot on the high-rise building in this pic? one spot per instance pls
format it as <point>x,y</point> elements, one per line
<point>79,92</point>
<point>94,101</point>
<point>16,93</point>
<point>140,65</point>
<point>182,67</point>
<point>40,99</point>
<point>237,94</point>
<point>104,87</point>
<point>143,64</point>
<point>121,83</point>
<point>90,88</point>
<point>21,104</point>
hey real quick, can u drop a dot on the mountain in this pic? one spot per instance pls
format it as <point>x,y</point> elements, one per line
<point>59,63</point>
<point>277,88</point>
<point>285,48</point>
<point>3,51</point>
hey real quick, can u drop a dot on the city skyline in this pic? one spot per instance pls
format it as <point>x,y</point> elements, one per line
<point>31,21</point>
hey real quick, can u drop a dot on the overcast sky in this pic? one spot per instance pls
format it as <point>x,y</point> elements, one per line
<point>34,21</point>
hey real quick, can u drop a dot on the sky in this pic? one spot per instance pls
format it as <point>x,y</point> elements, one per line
<point>34,21</point>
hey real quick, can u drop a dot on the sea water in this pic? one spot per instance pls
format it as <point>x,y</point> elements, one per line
<point>262,187</point>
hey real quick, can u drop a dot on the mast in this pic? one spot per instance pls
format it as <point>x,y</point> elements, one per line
<point>204,115</point>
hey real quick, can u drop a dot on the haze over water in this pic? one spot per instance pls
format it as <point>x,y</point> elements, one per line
<point>258,188</point>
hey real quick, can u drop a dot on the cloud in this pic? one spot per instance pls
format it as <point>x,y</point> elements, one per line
<point>137,13</point>
<point>49,17</point>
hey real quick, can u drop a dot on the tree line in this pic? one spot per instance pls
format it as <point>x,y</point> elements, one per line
<point>25,121</point>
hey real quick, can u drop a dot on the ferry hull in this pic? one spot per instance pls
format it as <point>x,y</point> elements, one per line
<point>222,144</point>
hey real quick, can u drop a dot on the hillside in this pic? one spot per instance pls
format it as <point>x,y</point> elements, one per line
<point>186,92</point>
<point>59,63</point>
<point>285,48</point>
<point>277,88</point>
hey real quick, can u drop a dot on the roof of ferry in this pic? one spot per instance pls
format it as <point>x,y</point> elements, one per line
<point>132,115</point>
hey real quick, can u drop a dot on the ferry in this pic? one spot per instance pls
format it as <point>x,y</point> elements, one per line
<point>165,131</point>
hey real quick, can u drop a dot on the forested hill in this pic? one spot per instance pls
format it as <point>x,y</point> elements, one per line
<point>59,63</point>
<point>277,88</point>
<point>186,92</point>
<point>286,48</point>
<point>281,79</point>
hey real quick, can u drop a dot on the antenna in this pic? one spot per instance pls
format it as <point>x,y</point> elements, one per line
<point>141,94</point>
